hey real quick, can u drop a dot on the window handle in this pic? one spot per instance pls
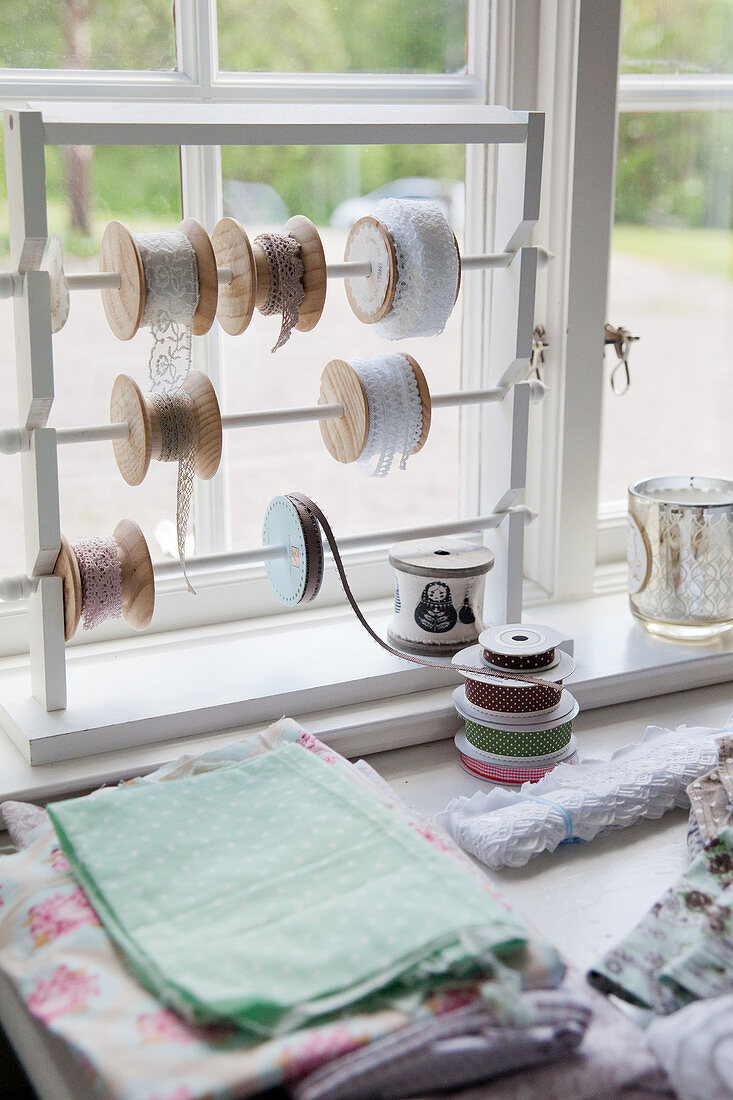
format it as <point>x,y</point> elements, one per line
<point>622,340</point>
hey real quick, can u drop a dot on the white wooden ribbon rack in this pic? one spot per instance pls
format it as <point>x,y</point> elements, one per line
<point>71,711</point>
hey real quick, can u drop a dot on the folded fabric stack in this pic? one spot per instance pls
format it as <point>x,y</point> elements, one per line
<point>276,909</point>
<point>645,779</point>
<point>516,730</point>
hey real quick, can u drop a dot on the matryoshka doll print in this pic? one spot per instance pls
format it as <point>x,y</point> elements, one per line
<point>441,593</point>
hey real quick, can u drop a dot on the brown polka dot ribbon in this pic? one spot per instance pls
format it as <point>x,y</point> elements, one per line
<point>530,662</point>
<point>311,516</point>
<point>506,698</point>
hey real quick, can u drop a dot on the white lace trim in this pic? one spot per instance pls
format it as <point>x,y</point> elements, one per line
<point>171,299</point>
<point>427,269</point>
<point>395,412</point>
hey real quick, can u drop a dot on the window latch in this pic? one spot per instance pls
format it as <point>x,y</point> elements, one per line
<point>622,340</point>
<point>539,347</point>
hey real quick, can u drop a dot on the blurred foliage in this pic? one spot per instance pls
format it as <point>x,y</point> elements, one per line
<point>677,36</point>
<point>349,36</point>
<point>674,169</point>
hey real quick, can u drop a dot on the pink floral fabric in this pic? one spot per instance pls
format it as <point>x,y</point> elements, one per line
<point>67,972</point>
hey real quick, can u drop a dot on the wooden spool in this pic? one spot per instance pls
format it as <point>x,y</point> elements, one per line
<point>128,405</point>
<point>138,581</point>
<point>371,297</point>
<point>250,285</point>
<point>346,437</point>
<point>125,306</point>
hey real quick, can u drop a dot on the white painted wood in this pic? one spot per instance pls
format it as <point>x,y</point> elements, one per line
<point>39,474</point>
<point>279,124</point>
<point>675,92</point>
<point>590,220</point>
<point>26,184</point>
<point>514,296</point>
<point>48,661</point>
<point>518,187</point>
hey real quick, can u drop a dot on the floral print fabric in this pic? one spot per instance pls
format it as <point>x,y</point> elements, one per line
<point>682,951</point>
<point>129,1045</point>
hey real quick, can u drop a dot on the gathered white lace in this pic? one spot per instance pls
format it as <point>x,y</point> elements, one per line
<point>427,269</point>
<point>395,412</point>
<point>171,299</point>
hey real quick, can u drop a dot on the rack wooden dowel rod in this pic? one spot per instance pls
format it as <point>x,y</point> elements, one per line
<point>15,440</point>
<point>282,416</point>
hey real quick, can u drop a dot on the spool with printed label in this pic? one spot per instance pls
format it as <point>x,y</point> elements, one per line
<point>439,592</point>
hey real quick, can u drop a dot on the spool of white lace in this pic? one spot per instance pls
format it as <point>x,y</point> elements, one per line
<point>428,269</point>
<point>171,298</point>
<point>395,412</point>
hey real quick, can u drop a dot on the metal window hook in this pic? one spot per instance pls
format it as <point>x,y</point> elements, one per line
<point>622,340</point>
<point>539,347</point>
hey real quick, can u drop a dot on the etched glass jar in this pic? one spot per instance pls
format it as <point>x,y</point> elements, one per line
<point>680,555</point>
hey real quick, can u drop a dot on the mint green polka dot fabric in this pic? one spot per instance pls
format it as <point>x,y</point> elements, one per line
<point>518,742</point>
<point>276,891</point>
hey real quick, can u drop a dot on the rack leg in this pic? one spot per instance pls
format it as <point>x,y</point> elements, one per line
<point>26,182</point>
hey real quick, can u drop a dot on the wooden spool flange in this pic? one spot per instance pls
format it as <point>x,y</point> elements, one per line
<point>128,405</point>
<point>138,581</point>
<point>232,249</point>
<point>125,306</point>
<point>371,297</point>
<point>346,437</point>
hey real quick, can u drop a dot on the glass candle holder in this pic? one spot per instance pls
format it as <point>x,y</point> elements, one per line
<point>680,555</point>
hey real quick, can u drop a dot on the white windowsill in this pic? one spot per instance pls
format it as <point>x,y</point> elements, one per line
<point>355,696</point>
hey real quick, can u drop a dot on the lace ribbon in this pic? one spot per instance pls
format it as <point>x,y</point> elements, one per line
<point>428,269</point>
<point>178,443</point>
<point>171,298</point>
<point>101,579</point>
<point>395,411</point>
<point>286,292</point>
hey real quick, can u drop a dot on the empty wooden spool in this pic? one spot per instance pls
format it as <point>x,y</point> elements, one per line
<point>125,306</point>
<point>138,581</point>
<point>346,437</point>
<point>250,283</point>
<point>129,405</point>
<point>371,297</point>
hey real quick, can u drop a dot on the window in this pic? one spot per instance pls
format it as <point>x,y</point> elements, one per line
<point>206,51</point>
<point>671,278</point>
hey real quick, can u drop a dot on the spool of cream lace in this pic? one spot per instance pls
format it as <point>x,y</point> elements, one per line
<point>395,412</point>
<point>286,291</point>
<point>428,269</point>
<point>171,299</point>
<point>101,579</point>
<point>178,439</point>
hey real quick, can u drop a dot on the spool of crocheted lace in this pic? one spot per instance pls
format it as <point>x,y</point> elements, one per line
<point>179,437</point>
<point>286,290</point>
<point>171,299</point>
<point>428,269</point>
<point>395,412</point>
<point>101,579</point>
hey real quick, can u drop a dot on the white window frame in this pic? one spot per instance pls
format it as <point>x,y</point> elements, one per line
<point>240,593</point>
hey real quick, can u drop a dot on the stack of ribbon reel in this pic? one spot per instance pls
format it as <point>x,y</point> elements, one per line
<point>518,718</point>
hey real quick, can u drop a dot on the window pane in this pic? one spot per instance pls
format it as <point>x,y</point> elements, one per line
<point>353,36</point>
<point>672,285</point>
<point>677,36</point>
<point>334,187</point>
<point>87,34</point>
<point>140,187</point>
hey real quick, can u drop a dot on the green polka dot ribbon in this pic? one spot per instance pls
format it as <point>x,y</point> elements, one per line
<point>518,742</point>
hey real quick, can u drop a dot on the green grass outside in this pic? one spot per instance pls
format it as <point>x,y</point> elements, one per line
<point>706,250</point>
